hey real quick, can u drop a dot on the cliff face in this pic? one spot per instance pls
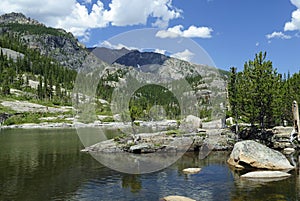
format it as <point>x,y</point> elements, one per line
<point>56,43</point>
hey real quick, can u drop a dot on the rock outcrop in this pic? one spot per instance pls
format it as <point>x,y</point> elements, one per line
<point>256,155</point>
<point>191,123</point>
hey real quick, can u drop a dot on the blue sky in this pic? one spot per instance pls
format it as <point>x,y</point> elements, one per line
<point>230,31</point>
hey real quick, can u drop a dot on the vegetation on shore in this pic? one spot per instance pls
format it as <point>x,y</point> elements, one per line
<point>261,96</point>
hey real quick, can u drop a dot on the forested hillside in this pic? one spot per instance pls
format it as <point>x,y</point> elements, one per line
<point>54,80</point>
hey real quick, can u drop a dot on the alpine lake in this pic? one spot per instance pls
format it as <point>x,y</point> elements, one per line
<point>47,164</point>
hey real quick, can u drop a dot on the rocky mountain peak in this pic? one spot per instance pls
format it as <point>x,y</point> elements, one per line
<point>18,18</point>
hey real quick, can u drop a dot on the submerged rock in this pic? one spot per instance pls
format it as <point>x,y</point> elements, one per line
<point>191,170</point>
<point>288,151</point>
<point>265,175</point>
<point>177,198</point>
<point>256,155</point>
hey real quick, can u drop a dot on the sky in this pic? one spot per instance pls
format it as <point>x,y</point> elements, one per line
<point>230,32</point>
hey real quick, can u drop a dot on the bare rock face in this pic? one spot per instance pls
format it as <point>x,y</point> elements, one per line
<point>256,155</point>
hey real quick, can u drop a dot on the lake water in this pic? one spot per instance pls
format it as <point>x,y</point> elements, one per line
<point>48,165</point>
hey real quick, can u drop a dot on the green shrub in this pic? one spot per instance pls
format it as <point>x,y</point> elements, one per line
<point>108,119</point>
<point>23,118</point>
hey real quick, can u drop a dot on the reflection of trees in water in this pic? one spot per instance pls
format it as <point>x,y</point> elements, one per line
<point>41,164</point>
<point>191,159</point>
<point>133,182</point>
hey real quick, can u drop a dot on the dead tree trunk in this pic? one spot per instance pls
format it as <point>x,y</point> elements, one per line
<point>296,118</point>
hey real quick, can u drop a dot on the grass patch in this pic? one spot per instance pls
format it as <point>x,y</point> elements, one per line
<point>23,118</point>
<point>173,132</point>
<point>4,109</point>
<point>31,117</point>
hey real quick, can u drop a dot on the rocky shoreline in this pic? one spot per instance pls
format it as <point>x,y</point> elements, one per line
<point>166,141</point>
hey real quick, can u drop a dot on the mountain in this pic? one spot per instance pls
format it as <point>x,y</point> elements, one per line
<point>141,59</point>
<point>108,55</point>
<point>42,63</point>
<point>55,43</point>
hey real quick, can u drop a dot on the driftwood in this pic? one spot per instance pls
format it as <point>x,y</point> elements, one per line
<point>296,118</point>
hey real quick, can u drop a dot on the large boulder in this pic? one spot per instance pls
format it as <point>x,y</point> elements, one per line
<point>191,123</point>
<point>256,155</point>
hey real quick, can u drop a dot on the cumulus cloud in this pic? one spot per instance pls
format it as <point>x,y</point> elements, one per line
<point>118,46</point>
<point>294,24</point>
<point>47,12</point>
<point>133,12</point>
<point>276,34</point>
<point>80,20</point>
<point>160,51</point>
<point>76,18</point>
<point>186,55</point>
<point>191,32</point>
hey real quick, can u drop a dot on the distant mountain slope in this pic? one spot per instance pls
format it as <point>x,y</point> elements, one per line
<point>56,43</point>
<point>52,57</point>
<point>109,55</point>
<point>137,59</point>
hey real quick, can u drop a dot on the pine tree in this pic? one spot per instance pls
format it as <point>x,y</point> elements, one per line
<point>253,93</point>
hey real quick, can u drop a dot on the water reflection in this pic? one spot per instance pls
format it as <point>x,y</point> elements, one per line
<point>132,182</point>
<point>48,165</point>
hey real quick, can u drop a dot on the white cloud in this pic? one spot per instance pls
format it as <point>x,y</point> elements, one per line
<point>294,24</point>
<point>118,46</point>
<point>80,20</point>
<point>133,12</point>
<point>160,51</point>
<point>76,18</point>
<point>257,44</point>
<point>276,34</point>
<point>191,32</point>
<point>296,3</point>
<point>185,55</point>
<point>47,12</point>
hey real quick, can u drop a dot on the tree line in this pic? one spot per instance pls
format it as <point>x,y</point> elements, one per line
<point>261,96</point>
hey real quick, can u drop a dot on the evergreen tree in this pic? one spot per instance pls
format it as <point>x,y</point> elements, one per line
<point>253,93</point>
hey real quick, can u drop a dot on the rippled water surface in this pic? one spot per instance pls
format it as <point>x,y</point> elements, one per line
<point>48,165</point>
